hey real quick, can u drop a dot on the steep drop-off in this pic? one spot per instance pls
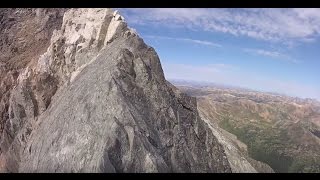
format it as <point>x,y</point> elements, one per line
<point>278,130</point>
<point>96,100</point>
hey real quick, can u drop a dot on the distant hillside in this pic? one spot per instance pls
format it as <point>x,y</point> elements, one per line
<point>279,130</point>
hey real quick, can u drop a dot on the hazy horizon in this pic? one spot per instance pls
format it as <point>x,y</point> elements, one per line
<point>270,50</point>
<point>229,86</point>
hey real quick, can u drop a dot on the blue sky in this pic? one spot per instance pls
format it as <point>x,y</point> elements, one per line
<point>275,50</point>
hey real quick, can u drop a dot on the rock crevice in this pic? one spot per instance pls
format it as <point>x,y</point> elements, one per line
<point>97,101</point>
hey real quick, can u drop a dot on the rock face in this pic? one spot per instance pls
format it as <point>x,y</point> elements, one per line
<point>278,130</point>
<point>24,35</point>
<point>97,101</point>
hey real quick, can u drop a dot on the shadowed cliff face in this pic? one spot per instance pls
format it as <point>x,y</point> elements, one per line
<point>97,101</point>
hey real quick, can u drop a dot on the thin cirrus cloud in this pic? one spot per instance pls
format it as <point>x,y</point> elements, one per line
<point>276,25</point>
<point>273,54</point>
<point>196,41</point>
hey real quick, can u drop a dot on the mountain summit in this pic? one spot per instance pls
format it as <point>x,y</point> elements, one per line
<point>93,98</point>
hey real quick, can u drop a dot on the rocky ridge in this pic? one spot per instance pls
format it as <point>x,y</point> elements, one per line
<point>97,101</point>
<point>24,35</point>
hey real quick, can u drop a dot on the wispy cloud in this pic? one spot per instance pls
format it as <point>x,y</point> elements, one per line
<point>278,25</point>
<point>272,54</point>
<point>196,41</point>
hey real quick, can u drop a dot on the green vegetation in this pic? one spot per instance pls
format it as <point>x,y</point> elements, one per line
<point>277,130</point>
<point>270,145</point>
<point>305,165</point>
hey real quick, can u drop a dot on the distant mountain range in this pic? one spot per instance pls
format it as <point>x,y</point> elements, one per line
<point>282,131</point>
<point>204,84</point>
<point>81,92</point>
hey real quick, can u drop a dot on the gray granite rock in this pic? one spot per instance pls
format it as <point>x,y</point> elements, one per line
<point>107,108</point>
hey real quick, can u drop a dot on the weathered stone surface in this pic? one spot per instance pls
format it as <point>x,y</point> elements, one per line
<point>97,101</point>
<point>24,35</point>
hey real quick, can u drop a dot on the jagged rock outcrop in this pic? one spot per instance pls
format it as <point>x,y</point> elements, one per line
<point>24,35</point>
<point>97,101</point>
